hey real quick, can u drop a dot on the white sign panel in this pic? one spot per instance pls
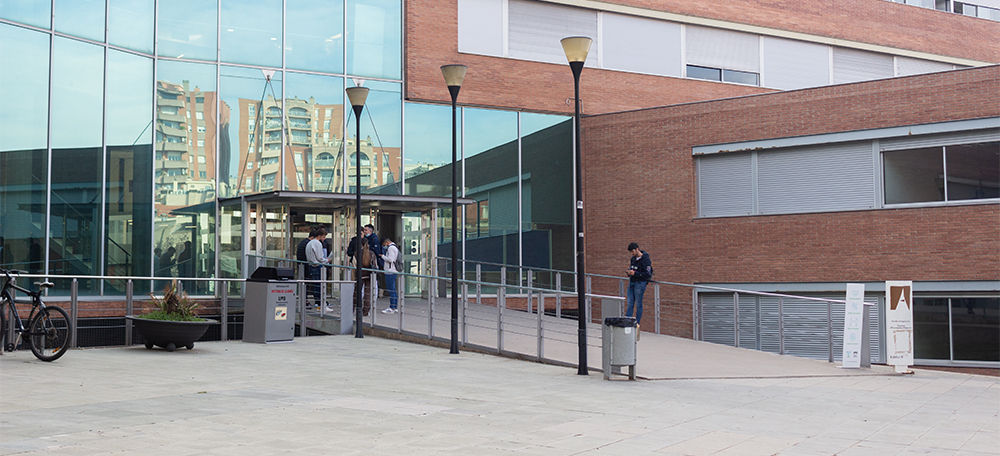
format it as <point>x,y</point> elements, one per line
<point>899,323</point>
<point>853,314</point>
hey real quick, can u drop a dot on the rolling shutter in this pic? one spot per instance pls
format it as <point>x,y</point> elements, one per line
<point>717,319</point>
<point>749,329</point>
<point>641,45</point>
<point>725,185</point>
<point>906,66</point>
<point>851,65</point>
<point>480,27</point>
<point>716,48</point>
<point>835,177</point>
<point>535,30</point>
<point>805,328</point>
<point>790,64</point>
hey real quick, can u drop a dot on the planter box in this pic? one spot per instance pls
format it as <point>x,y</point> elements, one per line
<point>170,334</point>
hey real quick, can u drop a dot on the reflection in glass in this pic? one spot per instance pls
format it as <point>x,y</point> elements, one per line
<point>188,29</point>
<point>251,32</point>
<point>185,168</point>
<point>547,193</point>
<point>976,329</point>
<point>930,329</point>
<point>973,171</point>
<point>381,139</point>
<point>29,12</point>
<point>231,245</point>
<point>315,127</point>
<point>913,176</point>
<point>130,24</point>
<point>491,170</point>
<point>77,131</point>
<point>83,18</point>
<point>250,130</point>
<point>315,36</point>
<point>23,147</point>
<point>374,38</point>
<point>428,149</point>
<point>129,169</point>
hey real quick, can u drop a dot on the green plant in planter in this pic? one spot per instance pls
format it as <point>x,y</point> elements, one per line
<point>173,306</point>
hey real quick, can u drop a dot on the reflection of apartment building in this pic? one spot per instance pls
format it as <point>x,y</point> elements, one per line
<point>314,145</point>
<point>185,146</point>
<point>983,9</point>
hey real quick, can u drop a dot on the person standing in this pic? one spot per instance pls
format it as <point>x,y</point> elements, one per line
<point>300,250</point>
<point>639,272</point>
<point>316,259</point>
<point>389,259</point>
<point>376,248</point>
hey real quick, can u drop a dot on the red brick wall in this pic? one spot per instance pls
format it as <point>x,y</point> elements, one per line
<point>651,150</point>
<point>432,41</point>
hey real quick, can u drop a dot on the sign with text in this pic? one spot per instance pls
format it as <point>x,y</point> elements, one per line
<point>899,323</point>
<point>853,318</point>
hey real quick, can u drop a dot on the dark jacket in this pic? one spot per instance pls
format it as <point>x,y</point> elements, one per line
<point>376,248</point>
<point>300,251</point>
<point>643,268</point>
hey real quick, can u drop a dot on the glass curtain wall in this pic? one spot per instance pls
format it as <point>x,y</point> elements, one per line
<point>956,329</point>
<point>119,173</point>
<point>24,58</point>
<point>512,221</point>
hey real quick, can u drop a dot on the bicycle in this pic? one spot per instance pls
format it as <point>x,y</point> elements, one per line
<point>49,327</point>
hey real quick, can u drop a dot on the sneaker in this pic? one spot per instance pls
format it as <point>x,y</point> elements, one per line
<point>389,310</point>
<point>329,308</point>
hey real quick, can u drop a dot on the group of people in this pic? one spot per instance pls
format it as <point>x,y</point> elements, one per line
<point>374,254</point>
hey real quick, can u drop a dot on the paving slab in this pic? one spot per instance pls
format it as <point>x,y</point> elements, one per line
<point>374,396</point>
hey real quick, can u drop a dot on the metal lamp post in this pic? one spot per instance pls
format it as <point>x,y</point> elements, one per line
<point>358,95</point>
<point>576,49</point>
<point>453,77</point>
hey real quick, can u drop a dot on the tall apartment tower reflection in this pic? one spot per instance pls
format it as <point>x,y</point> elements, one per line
<point>185,146</point>
<point>314,149</point>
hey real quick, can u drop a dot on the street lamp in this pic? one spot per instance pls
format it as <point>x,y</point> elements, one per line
<point>576,49</point>
<point>453,76</point>
<point>357,95</point>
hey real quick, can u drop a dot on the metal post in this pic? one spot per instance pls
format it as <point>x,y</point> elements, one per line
<point>558,295</point>
<point>530,294</point>
<point>454,220</point>
<point>540,330</point>
<point>582,368</point>
<point>74,309</point>
<point>430,301</point>
<point>465,314</point>
<point>128,311</point>
<point>322,292</point>
<point>781,325</point>
<point>656,300</point>
<point>224,302</point>
<point>829,329</point>
<point>736,319</point>
<point>866,340</point>
<point>501,298</point>
<point>400,293</point>
<point>302,307</point>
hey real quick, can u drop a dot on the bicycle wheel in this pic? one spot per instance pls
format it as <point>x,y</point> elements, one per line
<point>49,333</point>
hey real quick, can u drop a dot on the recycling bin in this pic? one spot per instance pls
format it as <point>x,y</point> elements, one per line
<point>269,309</point>
<point>618,344</point>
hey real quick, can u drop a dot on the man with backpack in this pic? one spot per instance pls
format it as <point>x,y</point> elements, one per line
<point>393,262</point>
<point>640,271</point>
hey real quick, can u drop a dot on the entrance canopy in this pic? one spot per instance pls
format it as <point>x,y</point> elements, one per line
<point>334,201</point>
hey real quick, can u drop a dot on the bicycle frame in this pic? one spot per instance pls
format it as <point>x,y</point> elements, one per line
<point>16,322</point>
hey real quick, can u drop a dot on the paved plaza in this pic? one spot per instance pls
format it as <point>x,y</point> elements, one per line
<point>373,396</point>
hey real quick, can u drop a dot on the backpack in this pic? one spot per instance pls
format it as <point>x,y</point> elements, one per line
<point>398,264</point>
<point>366,258</point>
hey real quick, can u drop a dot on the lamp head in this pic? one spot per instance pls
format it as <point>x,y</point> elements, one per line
<point>357,95</point>
<point>454,74</point>
<point>576,48</point>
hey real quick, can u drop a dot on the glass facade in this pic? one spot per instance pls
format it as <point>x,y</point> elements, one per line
<point>148,113</point>
<point>956,329</point>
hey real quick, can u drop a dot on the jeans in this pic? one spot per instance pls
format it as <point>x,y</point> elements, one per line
<point>635,292</point>
<point>390,284</point>
<point>312,273</point>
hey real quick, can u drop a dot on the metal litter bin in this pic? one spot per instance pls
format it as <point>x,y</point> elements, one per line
<point>618,343</point>
<point>269,309</point>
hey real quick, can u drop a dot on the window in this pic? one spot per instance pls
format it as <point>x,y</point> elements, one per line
<point>201,143</point>
<point>942,174</point>
<point>168,110</point>
<point>364,160</point>
<point>956,328</point>
<point>718,74</point>
<point>202,174</point>
<point>201,129</point>
<point>199,115</point>
<point>249,165</point>
<point>199,99</point>
<point>251,110</point>
<point>201,159</point>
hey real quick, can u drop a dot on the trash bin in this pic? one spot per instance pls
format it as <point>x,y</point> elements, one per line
<point>618,345</point>
<point>269,309</point>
